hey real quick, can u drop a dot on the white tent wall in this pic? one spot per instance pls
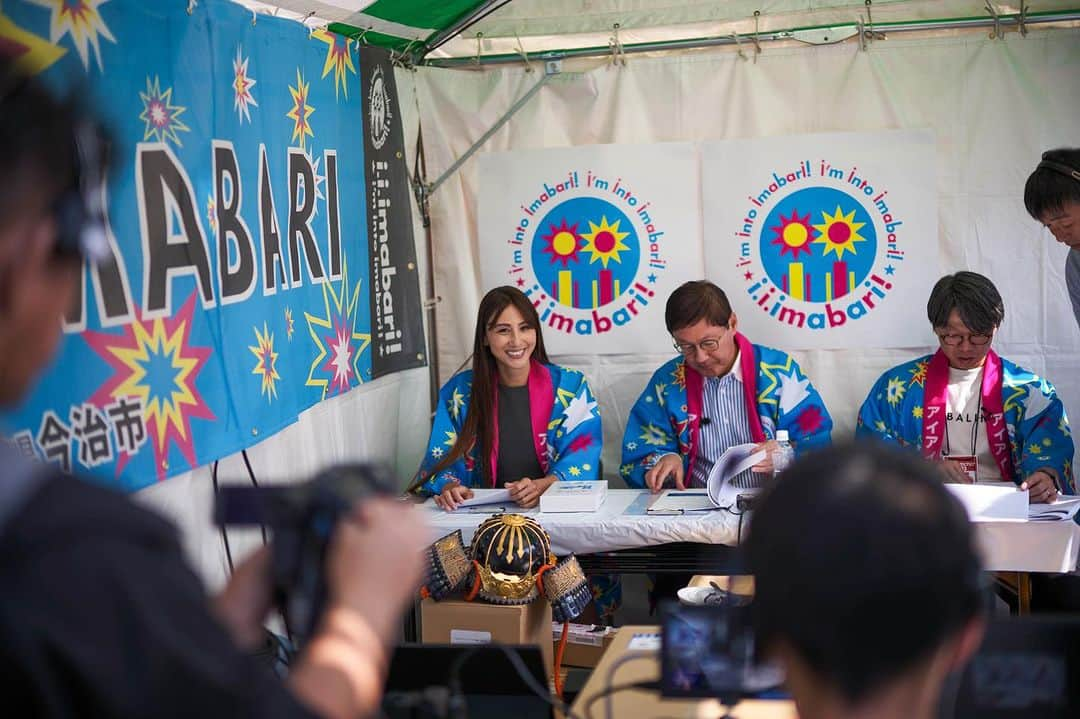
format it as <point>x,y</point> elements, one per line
<point>386,420</point>
<point>994,106</point>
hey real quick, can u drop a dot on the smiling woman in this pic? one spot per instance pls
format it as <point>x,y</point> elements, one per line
<point>514,419</point>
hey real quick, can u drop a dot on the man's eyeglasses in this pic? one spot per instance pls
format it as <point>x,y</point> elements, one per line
<point>956,340</point>
<point>689,348</point>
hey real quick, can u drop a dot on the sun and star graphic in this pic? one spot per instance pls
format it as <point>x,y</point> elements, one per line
<point>603,242</point>
<point>838,233</point>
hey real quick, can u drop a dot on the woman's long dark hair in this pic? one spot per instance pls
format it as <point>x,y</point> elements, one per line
<point>480,418</point>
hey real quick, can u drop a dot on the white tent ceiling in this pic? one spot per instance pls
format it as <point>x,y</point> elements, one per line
<point>515,27</point>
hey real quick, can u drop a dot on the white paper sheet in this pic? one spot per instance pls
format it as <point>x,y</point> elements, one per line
<point>1063,509</point>
<point>987,502</point>
<point>677,501</point>
<point>487,496</point>
<point>734,461</point>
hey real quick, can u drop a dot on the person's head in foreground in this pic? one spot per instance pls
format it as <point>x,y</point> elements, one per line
<point>1052,194</point>
<point>965,310</point>
<point>867,584</point>
<point>42,221</point>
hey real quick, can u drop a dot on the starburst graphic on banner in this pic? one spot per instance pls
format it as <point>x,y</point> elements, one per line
<point>320,180</point>
<point>162,118</point>
<point>290,326</point>
<point>266,366</point>
<point>81,20</point>
<point>242,83</point>
<point>338,59</point>
<point>30,53</point>
<point>155,361</point>
<point>300,111</point>
<point>336,367</point>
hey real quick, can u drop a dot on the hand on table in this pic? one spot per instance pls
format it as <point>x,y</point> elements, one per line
<point>670,465</point>
<point>452,496</point>
<point>1040,486</point>
<point>526,492</point>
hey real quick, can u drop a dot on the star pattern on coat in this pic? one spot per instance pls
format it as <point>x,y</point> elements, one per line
<point>792,390</point>
<point>579,410</point>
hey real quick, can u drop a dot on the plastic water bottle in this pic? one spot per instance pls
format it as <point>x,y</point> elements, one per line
<point>784,454</point>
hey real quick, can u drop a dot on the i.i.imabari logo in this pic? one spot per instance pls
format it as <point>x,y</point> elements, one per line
<point>821,246</point>
<point>587,253</point>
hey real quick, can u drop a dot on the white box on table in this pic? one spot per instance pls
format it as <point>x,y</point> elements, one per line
<point>574,496</point>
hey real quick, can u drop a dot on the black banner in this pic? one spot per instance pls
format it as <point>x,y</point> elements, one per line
<point>397,325</point>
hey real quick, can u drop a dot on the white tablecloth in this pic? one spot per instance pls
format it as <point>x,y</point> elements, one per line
<point>622,523</point>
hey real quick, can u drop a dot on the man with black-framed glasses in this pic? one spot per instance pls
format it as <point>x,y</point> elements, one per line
<point>720,391</point>
<point>981,417</point>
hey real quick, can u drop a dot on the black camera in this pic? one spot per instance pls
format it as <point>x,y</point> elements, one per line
<point>302,518</point>
<point>709,651</point>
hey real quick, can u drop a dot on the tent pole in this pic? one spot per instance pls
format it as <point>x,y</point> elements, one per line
<point>551,68</point>
<point>799,34</point>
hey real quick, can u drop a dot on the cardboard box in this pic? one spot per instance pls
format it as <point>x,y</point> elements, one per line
<point>584,644</point>
<point>459,622</point>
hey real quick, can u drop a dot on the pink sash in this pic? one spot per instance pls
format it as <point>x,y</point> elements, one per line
<point>934,424</point>
<point>695,386</point>
<point>541,400</point>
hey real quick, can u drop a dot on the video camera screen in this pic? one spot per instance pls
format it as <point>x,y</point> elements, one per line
<point>708,651</point>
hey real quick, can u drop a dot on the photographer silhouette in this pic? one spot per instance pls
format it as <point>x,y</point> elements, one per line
<point>99,613</point>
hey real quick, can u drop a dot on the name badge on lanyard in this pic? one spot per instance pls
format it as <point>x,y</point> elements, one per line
<point>968,463</point>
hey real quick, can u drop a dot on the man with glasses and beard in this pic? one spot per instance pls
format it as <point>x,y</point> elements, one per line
<point>719,392</point>
<point>980,417</point>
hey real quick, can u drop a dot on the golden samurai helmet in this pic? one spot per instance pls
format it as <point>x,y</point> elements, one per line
<point>508,562</point>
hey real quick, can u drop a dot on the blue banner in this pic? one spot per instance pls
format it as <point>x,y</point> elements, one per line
<point>240,291</point>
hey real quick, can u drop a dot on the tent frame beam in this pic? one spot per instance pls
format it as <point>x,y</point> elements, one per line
<point>844,31</point>
<point>551,68</point>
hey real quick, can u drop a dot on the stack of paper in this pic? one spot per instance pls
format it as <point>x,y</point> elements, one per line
<point>1063,509</point>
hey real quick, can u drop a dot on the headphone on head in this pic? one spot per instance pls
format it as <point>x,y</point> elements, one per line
<point>1059,167</point>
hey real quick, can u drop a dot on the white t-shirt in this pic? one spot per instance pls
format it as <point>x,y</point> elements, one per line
<point>965,422</point>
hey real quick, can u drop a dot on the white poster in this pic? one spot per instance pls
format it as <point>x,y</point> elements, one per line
<point>597,236</point>
<point>824,241</point>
